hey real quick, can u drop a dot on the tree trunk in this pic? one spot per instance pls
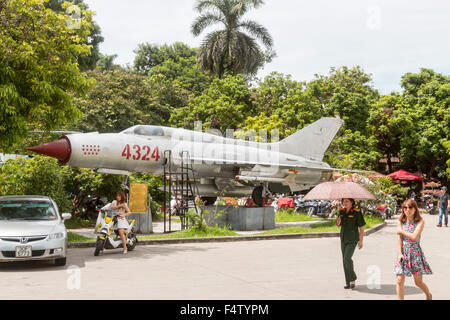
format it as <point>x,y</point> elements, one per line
<point>389,162</point>
<point>433,166</point>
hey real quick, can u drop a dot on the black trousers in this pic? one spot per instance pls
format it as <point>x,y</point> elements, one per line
<point>347,252</point>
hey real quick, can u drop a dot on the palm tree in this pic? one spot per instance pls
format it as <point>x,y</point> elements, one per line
<point>106,62</point>
<point>230,49</point>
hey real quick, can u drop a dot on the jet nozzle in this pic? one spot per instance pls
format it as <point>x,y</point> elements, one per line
<point>59,149</point>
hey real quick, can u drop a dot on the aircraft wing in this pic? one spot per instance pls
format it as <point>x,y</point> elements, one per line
<point>282,165</point>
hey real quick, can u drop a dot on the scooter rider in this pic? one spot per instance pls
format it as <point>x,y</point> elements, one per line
<point>120,208</point>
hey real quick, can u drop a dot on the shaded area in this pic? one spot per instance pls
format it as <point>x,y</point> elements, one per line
<point>79,257</point>
<point>388,289</point>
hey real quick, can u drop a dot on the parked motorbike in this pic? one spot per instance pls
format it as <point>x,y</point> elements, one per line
<point>311,207</point>
<point>108,236</point>
<point>300,204</point>
<point>391,208</point>
<point>368,208</point>
<point>323,209</point>
<point>429,204</point>
<point>86,205</point>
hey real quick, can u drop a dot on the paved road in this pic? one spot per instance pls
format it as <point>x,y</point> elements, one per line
<point>269,269</point>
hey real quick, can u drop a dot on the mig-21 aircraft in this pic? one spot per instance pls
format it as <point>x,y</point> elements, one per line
<point>241,167</point>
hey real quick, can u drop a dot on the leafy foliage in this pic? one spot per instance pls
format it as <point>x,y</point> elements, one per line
<point>37,176</point>
<point>39,72</point>
<point>151,55</point>
<point>225,104</point>
<point>267,129</point>
<point>94,38</point>
<point>183,73</point>
<point>119,100</point>
<point>425,114</point>
<point>447,145</point>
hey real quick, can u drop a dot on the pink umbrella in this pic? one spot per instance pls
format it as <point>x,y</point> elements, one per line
<point>338,190</point>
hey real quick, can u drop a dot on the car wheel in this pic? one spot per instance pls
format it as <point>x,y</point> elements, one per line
<point>60,262</point>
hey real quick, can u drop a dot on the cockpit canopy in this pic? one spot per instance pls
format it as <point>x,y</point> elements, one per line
<point>144,130</point>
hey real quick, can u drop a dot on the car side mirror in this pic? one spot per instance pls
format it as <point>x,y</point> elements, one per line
<point>66,216</point>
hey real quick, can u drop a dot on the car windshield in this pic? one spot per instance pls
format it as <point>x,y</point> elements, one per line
<point>27,210</point>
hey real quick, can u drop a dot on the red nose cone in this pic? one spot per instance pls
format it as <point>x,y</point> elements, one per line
<point>60,149</point>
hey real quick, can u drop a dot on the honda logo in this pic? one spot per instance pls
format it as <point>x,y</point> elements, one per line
<point>23,240</point>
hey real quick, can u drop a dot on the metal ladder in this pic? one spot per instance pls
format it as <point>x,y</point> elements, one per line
<point>181,184</point>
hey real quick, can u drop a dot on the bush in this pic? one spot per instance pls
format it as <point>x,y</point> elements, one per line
<point>37,176</point>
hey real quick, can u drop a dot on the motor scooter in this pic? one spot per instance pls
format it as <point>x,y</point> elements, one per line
<point>108,234</point>
<point>429,204</point>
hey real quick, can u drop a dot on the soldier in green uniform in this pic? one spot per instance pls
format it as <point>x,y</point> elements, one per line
<point>350,219</point>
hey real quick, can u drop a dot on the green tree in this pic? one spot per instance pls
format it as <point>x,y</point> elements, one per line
<point>225,104</point>
<point>357,150</point>
<point>119,100</point>
<point>106,62</point>
<point>387,126</point>
<point>426,115</point>
<point>150,55</point>
<point>347,93</point>
<point>94,38</point>
<point>447,146</point>
<point>40,175</point>
<point>39,74</point>
<point>279,95</point>
<point>184,73</point>
<point>269,124</point>
<point>231,49</point>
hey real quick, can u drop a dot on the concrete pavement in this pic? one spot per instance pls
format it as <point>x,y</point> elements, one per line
<point>275,269</point>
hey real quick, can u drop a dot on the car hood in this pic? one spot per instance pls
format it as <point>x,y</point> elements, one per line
<point>14,228</point>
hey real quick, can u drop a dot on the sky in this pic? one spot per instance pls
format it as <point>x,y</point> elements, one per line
<point>386,38</point>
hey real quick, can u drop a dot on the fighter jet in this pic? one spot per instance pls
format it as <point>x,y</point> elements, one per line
<point>222,165</point>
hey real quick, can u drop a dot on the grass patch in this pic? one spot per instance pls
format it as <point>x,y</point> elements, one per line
<point>73,237</point>
<point>329,226</point>
<point>193,233</point>
<point>78,223</point>
<point>290,215</point>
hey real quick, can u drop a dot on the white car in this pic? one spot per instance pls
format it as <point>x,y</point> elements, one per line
<point>32,229</point>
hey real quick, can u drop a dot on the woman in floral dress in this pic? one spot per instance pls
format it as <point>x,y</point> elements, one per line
<point>411,260</point>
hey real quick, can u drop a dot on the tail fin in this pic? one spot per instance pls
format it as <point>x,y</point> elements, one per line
<point>312,141</point>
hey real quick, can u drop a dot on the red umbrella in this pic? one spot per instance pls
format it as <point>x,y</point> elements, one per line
<point>338,190</point>
<point>404,175</point>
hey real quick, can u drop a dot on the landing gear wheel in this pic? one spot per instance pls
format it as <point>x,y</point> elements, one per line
<point>208,201</point>
<point>257,195</point>
<point>99,246</point>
